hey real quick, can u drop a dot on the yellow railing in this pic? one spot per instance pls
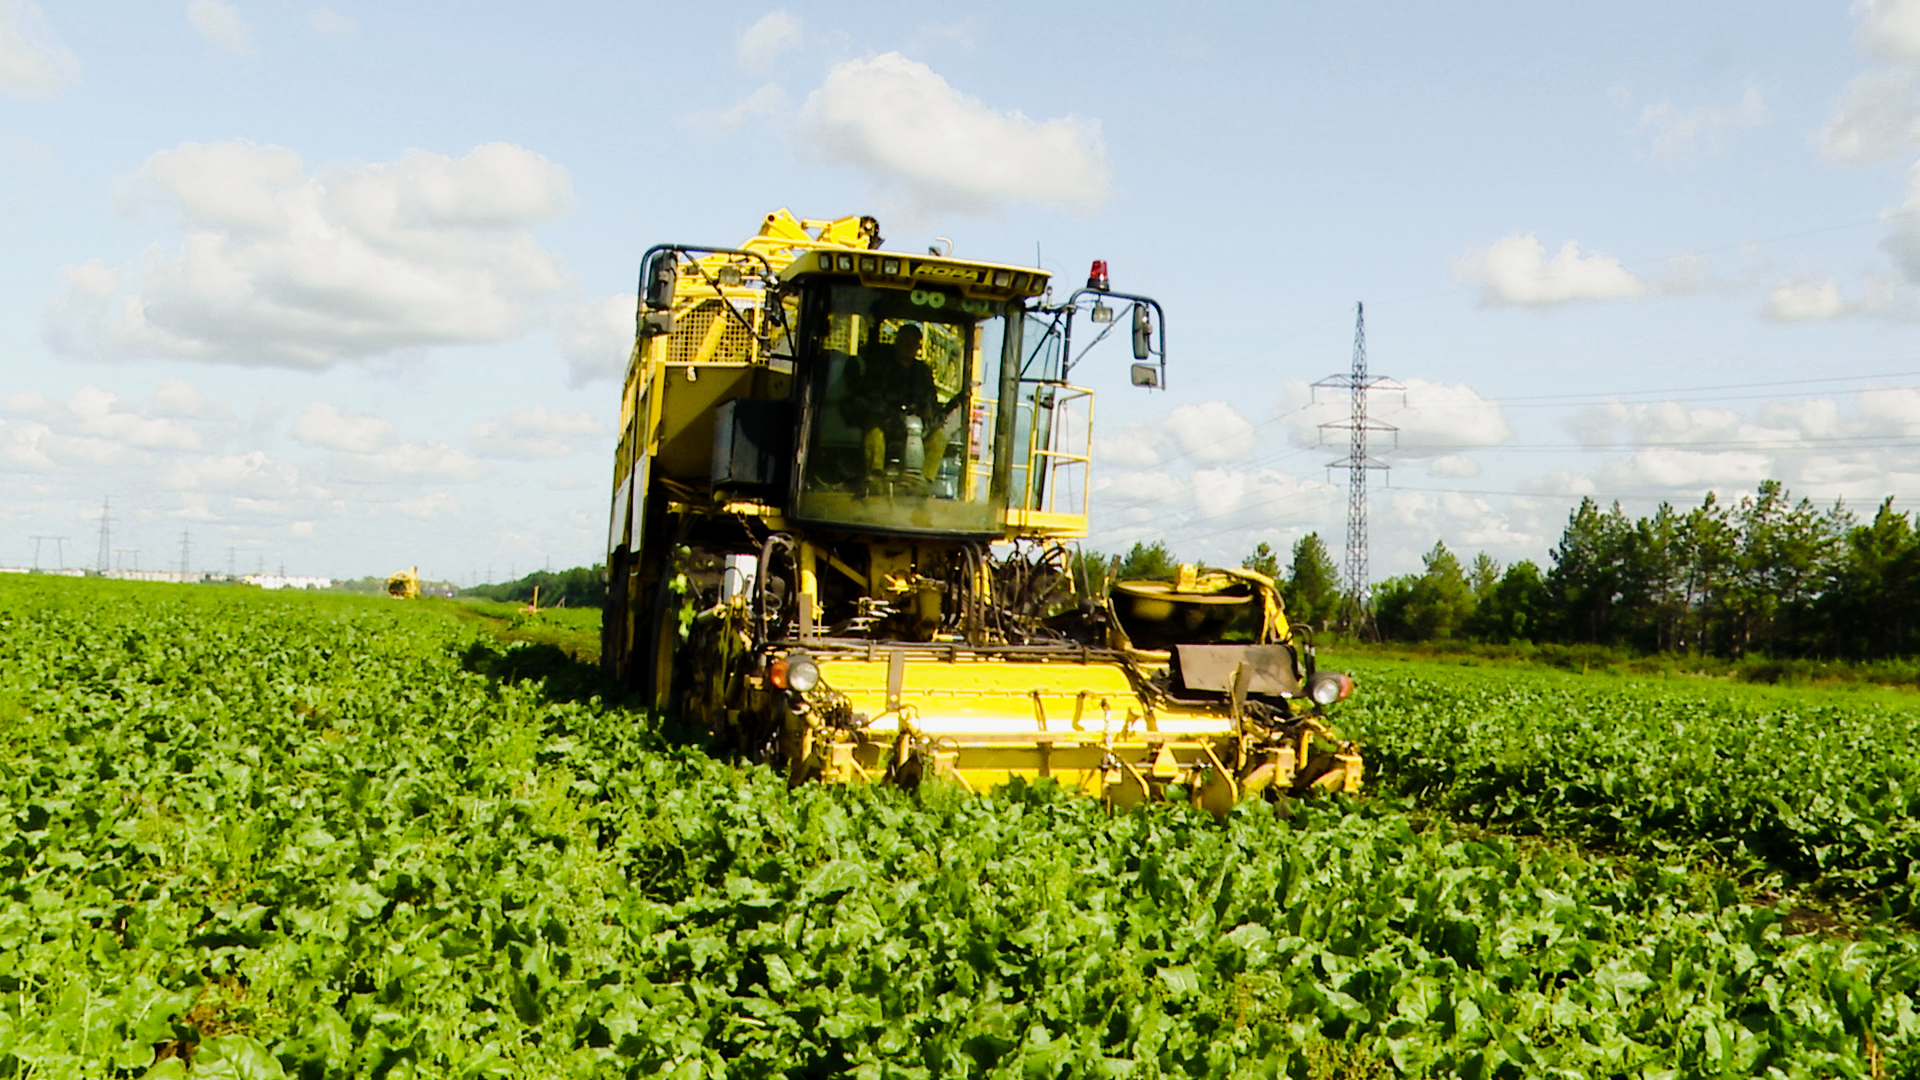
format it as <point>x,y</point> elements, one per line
<point>1066,464</point>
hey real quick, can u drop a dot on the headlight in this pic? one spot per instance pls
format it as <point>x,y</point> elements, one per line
<point>802,673</point>
<point>1327,687</point>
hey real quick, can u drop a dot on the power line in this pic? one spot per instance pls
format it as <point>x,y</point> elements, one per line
<point>1620,397</point>
<point>1690,254</point>
<point>1776,443</point>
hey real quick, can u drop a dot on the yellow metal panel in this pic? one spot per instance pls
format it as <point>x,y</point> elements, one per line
<point>1041,524</point>
<point>990,699</point>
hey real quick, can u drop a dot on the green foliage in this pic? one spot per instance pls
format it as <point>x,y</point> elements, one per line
<point>1514,608</point>
<point>1803,790</point>
<point>322,836</point>
<point>1434,606</point>
<point>1092,572</point>
<point>1263,560</point>
<point>580,587</point>
<point>1312,589</point>
<point>1764,575</point>
<point>1148,562</point>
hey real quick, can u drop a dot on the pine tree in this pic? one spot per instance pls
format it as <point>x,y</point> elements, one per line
<point>1263,560</point>
<point>1148,562</point>
<point>1312,589</point>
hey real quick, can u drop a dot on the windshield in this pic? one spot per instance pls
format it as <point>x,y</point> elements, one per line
<point>900,419</point>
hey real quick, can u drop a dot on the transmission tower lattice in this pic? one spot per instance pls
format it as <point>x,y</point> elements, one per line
<point>106,537</point>
<point>59,548</point>
<point>1357,617</point>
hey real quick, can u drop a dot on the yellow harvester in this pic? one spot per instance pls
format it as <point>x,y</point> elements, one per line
<point>843,482</point>
<point>405,585</point>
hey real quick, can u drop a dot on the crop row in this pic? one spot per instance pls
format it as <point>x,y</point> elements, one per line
<point>329,838</point>
<point>1814,788</point>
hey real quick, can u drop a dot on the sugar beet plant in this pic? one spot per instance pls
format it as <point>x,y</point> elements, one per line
<point>249,836</point>
<point>1812,789</point>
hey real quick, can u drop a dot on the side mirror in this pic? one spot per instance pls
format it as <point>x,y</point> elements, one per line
<point>1146,375</point>
<point>662,276</point>
<point>1142,336</point>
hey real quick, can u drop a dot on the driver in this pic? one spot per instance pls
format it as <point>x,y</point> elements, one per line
<point>892,385</point>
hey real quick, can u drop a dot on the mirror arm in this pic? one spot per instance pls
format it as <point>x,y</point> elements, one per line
<point>649,314</point>
<point>1159,314</point>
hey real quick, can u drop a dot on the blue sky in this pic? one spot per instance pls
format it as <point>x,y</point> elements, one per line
<point>342,288</point>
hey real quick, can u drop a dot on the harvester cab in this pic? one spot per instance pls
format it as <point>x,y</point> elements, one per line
<point>405,585</point>
<point>842,491</point>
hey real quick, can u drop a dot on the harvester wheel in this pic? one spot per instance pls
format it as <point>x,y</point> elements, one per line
<point>616,628</point>
<point>657,663</point>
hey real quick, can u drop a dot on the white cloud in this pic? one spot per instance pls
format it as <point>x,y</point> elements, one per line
<point>32,60</point>
<point>1876,119</point>
<point>1262,496</point>
<point>21,445</point>
<point>1138,486</point>
<point>1890,28</point>
<point>1515,271</point>
<point>1466,523</point>
<point>1210,514</point>
<point>409,462</point>
<point>179,398</point>
<point>333,24</point>
<point>1559,482</point>
<point>1613,422</point>
<point>1903,229</point>
<point>324,425</point>
<point>1691,471</point>
<point>766,101</point>
<point>1681,133</point>
<point>282,268</point>
<point>596,338</point>
<point>1803,301</point>
<point>901,121</point>
<point>771,35</point>
<point>1212,431</point>
<point>221,25</point>
<point>1454,466</point>
<point>1814,445</point>
<point>434,505</point>
<point>1433,420</point>
<point>1132,446</point>
<point>532,434</point>
<point>1435,416</point>
<point>93,424</point>
<point>250,474</point>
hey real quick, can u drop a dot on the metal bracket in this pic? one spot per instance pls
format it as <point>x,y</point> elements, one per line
<point>896,677</point>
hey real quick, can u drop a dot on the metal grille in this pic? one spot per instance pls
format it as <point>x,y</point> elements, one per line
<point>707,332</point>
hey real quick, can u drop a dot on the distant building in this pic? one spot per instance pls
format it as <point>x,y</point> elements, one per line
<point>174,577</point>
<point>288,581</point>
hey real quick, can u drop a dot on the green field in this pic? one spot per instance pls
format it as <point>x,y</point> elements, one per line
<point>319,836</point>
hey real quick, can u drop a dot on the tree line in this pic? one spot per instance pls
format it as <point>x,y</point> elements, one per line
<point>1764,575</point>
<point>581,586</point>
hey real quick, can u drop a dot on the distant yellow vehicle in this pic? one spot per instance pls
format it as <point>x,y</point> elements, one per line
<point>843,483</point>
<point>405,585</point>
